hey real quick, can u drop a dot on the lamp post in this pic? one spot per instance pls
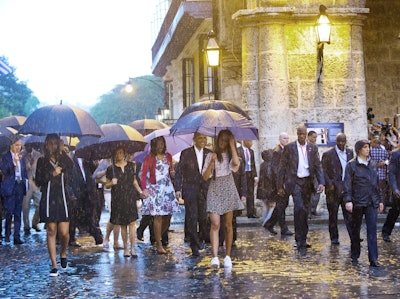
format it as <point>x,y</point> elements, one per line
<point>323,29</point>
<point>212,54</point>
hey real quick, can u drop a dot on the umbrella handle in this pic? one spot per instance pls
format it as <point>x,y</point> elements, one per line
<point>112,167</point>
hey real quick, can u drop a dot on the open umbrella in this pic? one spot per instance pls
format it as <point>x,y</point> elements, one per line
<point>146,126</point>
<point>175,144</point>
<point>62,120</point>
<point>115,135</point>
<point>211,122</point>
<point>6,134</point>
<point>216,105</point>
<point>12,121</point>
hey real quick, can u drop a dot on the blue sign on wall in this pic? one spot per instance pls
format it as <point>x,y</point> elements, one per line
<point>326,132</point>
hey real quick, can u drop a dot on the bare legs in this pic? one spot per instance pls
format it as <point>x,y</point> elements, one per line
<point>112,228</point>
<point>52,228</point>
<point>214,232</point>
<point>160,225</point>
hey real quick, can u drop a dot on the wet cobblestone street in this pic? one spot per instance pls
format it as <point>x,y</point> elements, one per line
<point>264,266</point>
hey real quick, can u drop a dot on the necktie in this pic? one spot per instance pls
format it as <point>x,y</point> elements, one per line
<point>247,151</point>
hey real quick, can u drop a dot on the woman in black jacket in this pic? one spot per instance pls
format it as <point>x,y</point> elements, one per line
<point>362,197</point>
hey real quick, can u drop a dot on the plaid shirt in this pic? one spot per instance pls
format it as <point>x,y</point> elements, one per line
<point>379,154</point>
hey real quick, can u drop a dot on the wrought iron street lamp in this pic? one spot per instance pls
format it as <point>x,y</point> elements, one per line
<point>323,29</point>
<point>212,52</point>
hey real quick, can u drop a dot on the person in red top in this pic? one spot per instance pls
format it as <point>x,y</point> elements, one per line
<point>158,190</point>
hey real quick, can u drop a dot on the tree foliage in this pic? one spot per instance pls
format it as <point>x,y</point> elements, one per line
<point>15,96</point>
<point>121,107</point>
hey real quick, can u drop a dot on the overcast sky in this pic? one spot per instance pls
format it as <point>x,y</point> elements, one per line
<point>76,50</point>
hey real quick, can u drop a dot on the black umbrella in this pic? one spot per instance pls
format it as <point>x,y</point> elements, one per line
<point>62,120</point>
<point>6,138</point>
<point>115,135</point>
<point>12,121</point>
<point>146,126</point>
<point>215,105</point>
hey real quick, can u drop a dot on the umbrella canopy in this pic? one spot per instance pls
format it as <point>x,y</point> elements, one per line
<point>12,121</point>
<point>6,139</point>
<point>146,126</point>
<point>115,135</point>
<point>216,105</point>
<point>62,120</point>
<point>175,144</point>
<point>211,122</point>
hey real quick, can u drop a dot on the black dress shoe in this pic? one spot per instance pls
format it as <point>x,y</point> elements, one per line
<point>374,264</point>
<point>139,235</point>
<point>386,238</point>
<point>354,261</point>
<point>195,252</point>
<point>27,231</point>
<point>18,242</point>
<point>335,242</point>
<point>272,230</point>
<point>287,232</point>
<point>36,228</point>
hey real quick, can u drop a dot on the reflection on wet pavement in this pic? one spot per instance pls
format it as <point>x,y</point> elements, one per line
<point>264,266</point>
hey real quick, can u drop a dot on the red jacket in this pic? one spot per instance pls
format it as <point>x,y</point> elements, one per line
<point>149,164</point>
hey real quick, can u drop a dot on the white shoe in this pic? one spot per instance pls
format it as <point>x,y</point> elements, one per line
<point>227,262</point>
<point>215,262</point>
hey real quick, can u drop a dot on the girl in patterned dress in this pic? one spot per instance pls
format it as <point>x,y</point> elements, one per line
<point>158,190</point>
<point>222,196</point>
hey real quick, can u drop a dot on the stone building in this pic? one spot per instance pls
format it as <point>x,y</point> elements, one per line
<point>269,61</point>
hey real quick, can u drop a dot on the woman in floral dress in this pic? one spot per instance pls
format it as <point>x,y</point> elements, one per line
<point>156,179</point>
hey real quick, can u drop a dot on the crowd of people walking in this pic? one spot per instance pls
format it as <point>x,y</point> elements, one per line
<point>216,185</point>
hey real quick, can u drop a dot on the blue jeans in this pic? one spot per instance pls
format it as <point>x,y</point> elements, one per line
<point>370,213</point>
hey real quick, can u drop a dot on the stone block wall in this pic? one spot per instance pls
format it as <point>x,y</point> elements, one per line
<point>381,35</point>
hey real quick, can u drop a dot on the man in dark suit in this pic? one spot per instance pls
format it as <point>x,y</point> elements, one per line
<point>13,187</point>
<point>86,210</point>
<point>298,167</point>
<point>190,185</point>
<point>394,182</point>
<point>334,163</point>
<point>247,155</point>
<point>278,215</point>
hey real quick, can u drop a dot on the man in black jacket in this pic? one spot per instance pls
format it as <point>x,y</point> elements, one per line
<point>334,163</point>
<point>299,166</point>
<point>190,185</point>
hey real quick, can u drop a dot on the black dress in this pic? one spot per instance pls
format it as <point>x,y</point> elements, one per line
<point>56,190</point>
<point>123,194</point>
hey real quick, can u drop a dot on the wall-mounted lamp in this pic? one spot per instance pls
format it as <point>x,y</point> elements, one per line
<point>323,28</point>
<point>212,52</point>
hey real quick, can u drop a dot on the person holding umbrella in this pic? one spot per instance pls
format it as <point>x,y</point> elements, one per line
<point>222,197</point>
<point>125,190</point>
<point>158,188</point>
<point>53,176</point>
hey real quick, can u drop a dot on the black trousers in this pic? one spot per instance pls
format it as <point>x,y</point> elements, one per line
<point>250,194</point>
<point>333,202</point>
<point>391,217</point>
<point>279,214</point>
<point>301,201</point>
<point>196,216</point>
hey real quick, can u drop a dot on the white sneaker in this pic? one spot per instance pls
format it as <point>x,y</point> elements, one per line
<point>215,262</point>
<point>227,262</point>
